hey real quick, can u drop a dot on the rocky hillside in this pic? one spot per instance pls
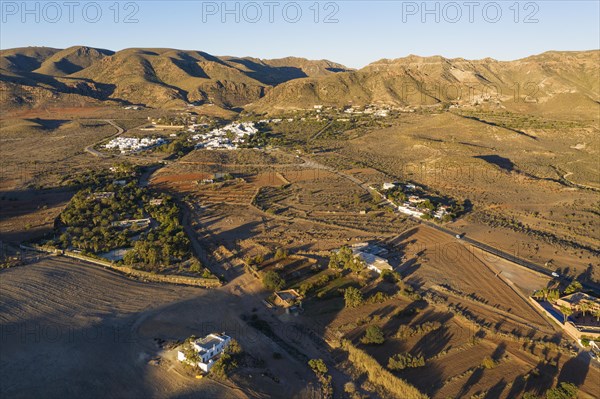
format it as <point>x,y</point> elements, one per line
<point>553,79</point>
<point>152,77</point>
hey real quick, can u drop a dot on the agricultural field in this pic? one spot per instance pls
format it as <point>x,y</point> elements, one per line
<point>470,342</point>
<point>455,321</point>
<point>533,191</point>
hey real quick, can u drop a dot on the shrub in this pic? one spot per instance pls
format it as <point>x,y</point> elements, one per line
<point>320,370</point>
<point>405,360</point>
<point>349,387</point>
<point>405,331</point>
<point>373,335</point>
<point>378,297</point>
<point>488,363</point>
<point>318,366</point>
<point>281,253</point>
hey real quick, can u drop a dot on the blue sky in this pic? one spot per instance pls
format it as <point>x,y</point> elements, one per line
<point>353,33</point>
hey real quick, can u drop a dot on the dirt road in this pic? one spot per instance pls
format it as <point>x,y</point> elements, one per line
<point>90,148</point>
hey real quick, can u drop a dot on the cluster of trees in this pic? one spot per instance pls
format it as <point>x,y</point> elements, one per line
<point>574,287</point>
<point>273,281</point>
<point>373,336</point>
<point>402,361</point>
<point>345,259</point>
<point>229,360</point>
<point>164,246</point>
<point>179,147</point>
<point>86,210</point>
<point>319,367</point>
<point>89,225</point>
<point>396,195</point>
<point>259,139</point>
<point>97,178</point>
<point>547,294</point>
<point>88,219</point>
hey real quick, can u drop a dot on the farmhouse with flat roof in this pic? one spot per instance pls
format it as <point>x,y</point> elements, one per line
<point>209,349</point>
<point>367,253</point>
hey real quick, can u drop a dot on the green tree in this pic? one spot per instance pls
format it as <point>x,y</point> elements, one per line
<point>584,307</point>
<point>228,361</point>
<point>353,297</point>
<point>389,276</point>
<point>273,281</point>
<point>373,335</point>
<point>575,286</point>
<point>566,311</point>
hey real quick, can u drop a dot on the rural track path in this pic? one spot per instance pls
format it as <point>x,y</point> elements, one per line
<point>96,153</point>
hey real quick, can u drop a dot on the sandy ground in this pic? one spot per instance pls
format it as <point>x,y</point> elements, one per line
<point>72,330</point>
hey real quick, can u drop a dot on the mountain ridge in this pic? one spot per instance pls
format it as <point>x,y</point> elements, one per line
<point>165,77</point>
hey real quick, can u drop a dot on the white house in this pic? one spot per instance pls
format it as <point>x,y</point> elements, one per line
<point>389,186</point>
<point>209,348</point>
<point>409,210</point>
<point>374,262</point>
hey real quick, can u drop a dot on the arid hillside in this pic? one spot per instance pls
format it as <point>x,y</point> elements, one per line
<point>542,83</point>
<point>152,77</point>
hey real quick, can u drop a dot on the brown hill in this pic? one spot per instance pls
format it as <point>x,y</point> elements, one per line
<point>153,77</point>
<point>71,60</point>
<point>546,78</point>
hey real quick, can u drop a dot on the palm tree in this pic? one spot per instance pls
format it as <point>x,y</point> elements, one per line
<point>566,311</point>
<point>584,307</point>
<point>596,313</point>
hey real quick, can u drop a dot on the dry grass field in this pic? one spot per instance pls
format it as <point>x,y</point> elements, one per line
<point>533,186</point>
<point>60,318</point>
<point>529,196</point>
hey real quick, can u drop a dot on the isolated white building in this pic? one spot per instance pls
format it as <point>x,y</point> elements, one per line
<point>209,348</point>
<point>389,186</point>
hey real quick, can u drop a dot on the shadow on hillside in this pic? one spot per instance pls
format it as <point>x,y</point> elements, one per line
<point>113,357</point>
<point>575,370</point>
<point>268,74</point>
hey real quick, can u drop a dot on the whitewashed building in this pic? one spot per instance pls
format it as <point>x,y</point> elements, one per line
<point>209,349</point>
